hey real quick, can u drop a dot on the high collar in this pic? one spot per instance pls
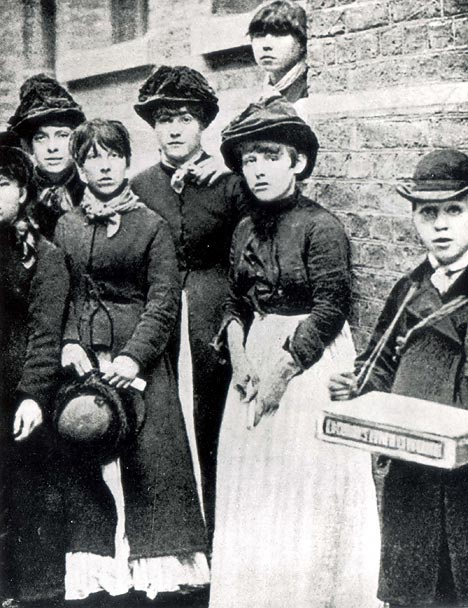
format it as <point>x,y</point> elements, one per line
<point>43,179</point>
<point>454,267</point>
<point>265,216</point>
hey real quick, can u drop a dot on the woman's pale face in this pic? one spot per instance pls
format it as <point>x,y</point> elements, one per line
<point>12,196</point>
<point>277,54</point>
<point>50,147</point>
<point>179,136</point>
<point>103,170</point>
<point>270,173</point>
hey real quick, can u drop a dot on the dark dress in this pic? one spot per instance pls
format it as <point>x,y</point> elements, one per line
<point>52,200</point>
<point>201,220</point>
<point>424,510</point>
<point>32,304</point>
<point>125,298</point>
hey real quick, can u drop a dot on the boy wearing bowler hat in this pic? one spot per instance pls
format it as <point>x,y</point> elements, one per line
<point>424,510</point>
<point>44,120</point>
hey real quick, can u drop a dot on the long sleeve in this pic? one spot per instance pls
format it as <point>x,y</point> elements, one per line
<point>236,307</point>
<point>328,264</point>
<point>157,322</point>
<point>48,297</point>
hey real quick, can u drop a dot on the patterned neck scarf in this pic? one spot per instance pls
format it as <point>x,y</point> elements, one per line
<point>21,236</point>
<point>110,211</point>
<point>56,197</point>
<point>181,174</point>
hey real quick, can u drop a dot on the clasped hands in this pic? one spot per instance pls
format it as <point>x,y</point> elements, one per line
<point>268,392</point>
<point>120,373</point>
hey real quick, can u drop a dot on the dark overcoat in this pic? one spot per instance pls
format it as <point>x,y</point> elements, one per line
<point>125,297</point>
<point>424,511</point>
<point>32,304</point>
<point>202,220</point>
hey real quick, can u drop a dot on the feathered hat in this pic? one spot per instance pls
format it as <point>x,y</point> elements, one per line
<point>176,83</point>
<point>43,101</point>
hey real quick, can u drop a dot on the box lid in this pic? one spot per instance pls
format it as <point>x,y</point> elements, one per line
<point>406,413</point>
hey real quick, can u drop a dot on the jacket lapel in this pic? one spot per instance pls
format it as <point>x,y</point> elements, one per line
<point>428,300</point>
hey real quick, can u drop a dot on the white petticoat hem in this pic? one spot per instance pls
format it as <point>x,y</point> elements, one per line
<point>88,573</point>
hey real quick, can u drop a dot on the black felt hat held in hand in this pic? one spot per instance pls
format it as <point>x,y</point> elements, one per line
<point>95,419</point>
<point>176,84</point>
<point>44,101</point>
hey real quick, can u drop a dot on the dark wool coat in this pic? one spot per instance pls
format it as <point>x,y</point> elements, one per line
<point>424,511</point>
<point>32,304</point>
<point>125,296</point>
<point>297,89</point>
<point>201,220</point>
<point>291,260</point>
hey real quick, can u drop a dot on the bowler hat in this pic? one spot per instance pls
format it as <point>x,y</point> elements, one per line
<point>44,101</point>
<point>175,83</point>
<point>439,176</point>
<point>272,119</point>
<point>96,419</point>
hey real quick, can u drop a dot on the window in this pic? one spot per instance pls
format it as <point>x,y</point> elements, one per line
<point>129,19</point>
<point>226,7</point>
<point>39,34</point>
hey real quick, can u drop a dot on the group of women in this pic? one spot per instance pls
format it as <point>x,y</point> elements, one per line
<point>180,283</point>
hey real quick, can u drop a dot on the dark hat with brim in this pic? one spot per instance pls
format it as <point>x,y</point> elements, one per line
<point>273,119</point>
<point>95,419</point>
<point>441,175</point>
<point>44,101</point>
<point>175,84</point>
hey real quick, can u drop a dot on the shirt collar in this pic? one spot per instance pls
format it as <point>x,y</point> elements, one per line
<point>452,268</point>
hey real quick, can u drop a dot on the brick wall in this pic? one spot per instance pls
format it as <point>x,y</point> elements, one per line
<point>360,53</point>
<point>388,83</point>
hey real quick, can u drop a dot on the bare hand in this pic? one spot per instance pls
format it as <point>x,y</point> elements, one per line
<point>28,417</point>
<point>122,371</point>
<point>342,386</point>
<point>273,387</point>
<point>74,355</point>
<point>245,379</point>
<point>209,171</point>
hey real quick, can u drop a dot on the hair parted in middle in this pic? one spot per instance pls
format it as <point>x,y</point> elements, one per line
<point>280,18</point>
<point>108,134</point>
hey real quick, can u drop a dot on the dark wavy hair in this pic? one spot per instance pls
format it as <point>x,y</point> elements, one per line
<point>167,109</point>
<point>15,165</point>
<point>280,18</point>
<point>109,134</point>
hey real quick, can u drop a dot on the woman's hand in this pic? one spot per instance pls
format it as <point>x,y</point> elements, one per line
<point>273,387</point>
<point>28,417</point>
<point>122,371</point>
<point>342,386</point>
<point>244,377</point>
<point>208,171</point>
<point>74,355</point>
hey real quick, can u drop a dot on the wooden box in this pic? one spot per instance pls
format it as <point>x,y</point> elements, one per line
<point>400,427</point>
